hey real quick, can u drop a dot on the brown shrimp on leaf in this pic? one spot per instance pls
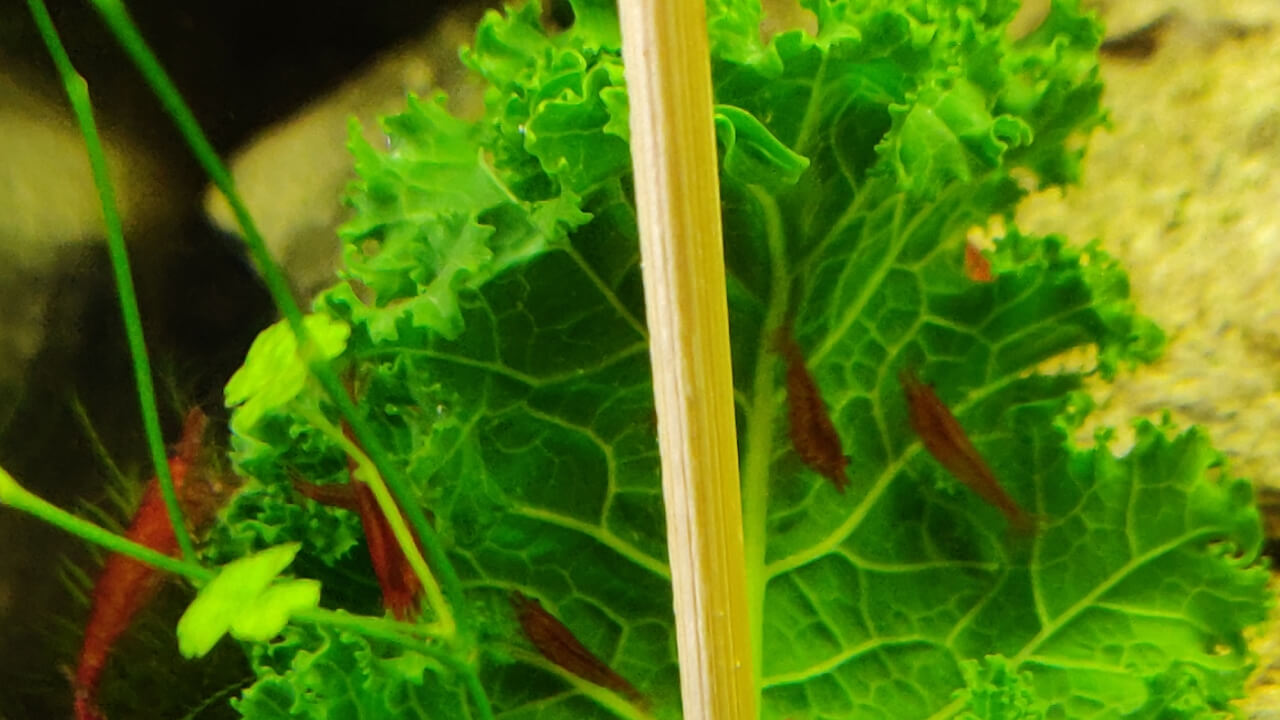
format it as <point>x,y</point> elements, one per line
<point>812,433</point>
<point>557,643</point>
<point>945,439</point>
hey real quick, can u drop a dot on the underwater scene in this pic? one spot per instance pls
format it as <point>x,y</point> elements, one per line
<point>331,382</point>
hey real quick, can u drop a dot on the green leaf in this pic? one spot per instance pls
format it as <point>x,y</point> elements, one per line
<point>274,372</point>
<point>322,674</point>
<point>950,135</point>
<point>273,609</point>
<point>752,155</point>
<point>499,348</point>
<point>241,599</point>
<point>432,221</point>
<point>735,32</point>
<point>265,515</point>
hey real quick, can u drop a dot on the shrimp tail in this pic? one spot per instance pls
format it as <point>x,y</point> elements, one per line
<point>84,707</point>
<point>1023,524</point>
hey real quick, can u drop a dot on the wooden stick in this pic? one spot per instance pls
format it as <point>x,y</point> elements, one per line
<point>664,44</point>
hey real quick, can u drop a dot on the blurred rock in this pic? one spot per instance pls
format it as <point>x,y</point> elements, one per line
<point>292,176</point>
<point>1185,190</point>
<point>50,212</point>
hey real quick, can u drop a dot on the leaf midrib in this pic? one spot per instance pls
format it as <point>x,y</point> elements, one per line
<point>759,435</point>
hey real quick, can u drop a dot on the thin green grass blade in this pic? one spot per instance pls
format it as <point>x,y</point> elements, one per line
<point>78,94</point>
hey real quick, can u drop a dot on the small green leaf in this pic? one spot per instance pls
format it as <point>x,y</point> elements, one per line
<point>752,154</point>
<point>950,134</point>
<point>316,672</point>
<point>238,591</point>
<point>996,691</point>
<point>274,372</point>
<point>273,609</point>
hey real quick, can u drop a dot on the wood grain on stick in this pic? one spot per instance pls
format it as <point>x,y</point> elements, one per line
<point>668,73</point>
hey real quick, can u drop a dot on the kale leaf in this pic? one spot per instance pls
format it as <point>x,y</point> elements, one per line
<point>497,342</point>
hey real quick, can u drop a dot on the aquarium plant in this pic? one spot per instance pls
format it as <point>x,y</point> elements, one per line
<point>472,477</point>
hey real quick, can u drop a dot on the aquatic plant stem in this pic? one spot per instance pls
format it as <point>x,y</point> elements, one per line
<point>668,73</point>
<point>126,33</point>
<point>19,498</point>
<point>78,94</point>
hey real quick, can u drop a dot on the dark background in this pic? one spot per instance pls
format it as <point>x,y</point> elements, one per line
<point>241,66</point>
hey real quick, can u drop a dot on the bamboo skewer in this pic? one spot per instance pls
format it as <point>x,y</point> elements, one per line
<point>668,74</point>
